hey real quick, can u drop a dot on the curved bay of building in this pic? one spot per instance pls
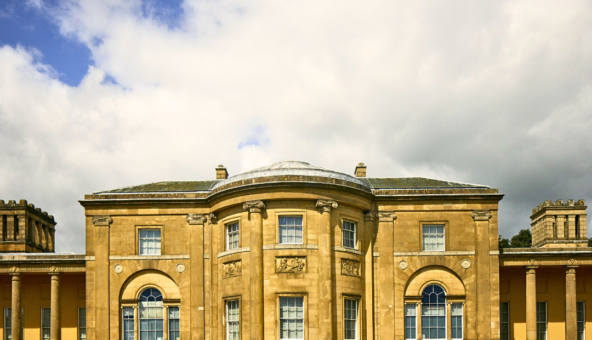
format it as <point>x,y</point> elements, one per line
<point>293,251</point>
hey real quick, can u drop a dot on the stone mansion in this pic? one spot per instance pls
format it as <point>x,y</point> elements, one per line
<point>295,251</point>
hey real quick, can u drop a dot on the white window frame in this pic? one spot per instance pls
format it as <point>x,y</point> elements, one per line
<point>583,322</point>
<point>48,327</point>
<point>301,298</point>
<point>169,319</point>
<point>355,320</point>
<point>414,306</point>
<point>423,233</point>
<point>462,315</point>
<point>288,226</point>
<point>228,321</point>
<point>79,328</point>
<point>159,239</point>
<point>231,234</point>
<point>505,322</point>
<point>124,319</point>
<point>8,325</point>
<point>354,232</point>
<point>542,322</point>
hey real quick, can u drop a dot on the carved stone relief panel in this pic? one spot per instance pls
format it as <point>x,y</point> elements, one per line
<point>290,264</point>
<point>232,269</point>
<point>350,267</point>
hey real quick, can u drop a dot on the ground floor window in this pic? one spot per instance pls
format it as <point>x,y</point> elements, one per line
<point>45,323</point>
<point>151,315</point>
<point>433,313</point>
<point>456,309</point>
<point>350,319</point>
<point>541,311</point>
<point>81,323</point>
<point>8,324</point>
<point>128,323</point>
<point>174,317</point>
<point>232,320</point>
<point>291,318</point>
<point>505,321</point>
<point>411,321</point>
<point>581,306</point>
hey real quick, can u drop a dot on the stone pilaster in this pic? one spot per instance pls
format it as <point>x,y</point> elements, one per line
<point>369,274</point>
<point>55,329</point>
<point>386,239</point>
<point>560,225</point>
<point>571,226</point>
<point>256,268</point>
<point>531,331</point>
<point>325,269</point>
<point>418,318</point>
<point>448,320</point>
<point>571,311</point>
<point>10,236</point>
<point>102,322</point>
<point>196,223</point>
<point>16,322</point>
<point>482,244</point>
<point>208,254</point>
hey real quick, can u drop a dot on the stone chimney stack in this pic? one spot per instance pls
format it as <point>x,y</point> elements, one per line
<point>559,224</point>
<point>360,170</point>
<point>221,172</point>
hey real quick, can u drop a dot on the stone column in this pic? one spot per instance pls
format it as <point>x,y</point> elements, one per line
<point>55,330</point>
<point>418,316</point>
<point>571,311</point>
<point>386,243</point>
<point>136,322</point>
<point>531,320</point>
<point>256,268</point>
<point>369,273</point>
<point>325,270</point>
<point>448,320</point>
<point>196,223</point>
<point>102,274</point>
<point>484,320</point>
<point>16,322</point>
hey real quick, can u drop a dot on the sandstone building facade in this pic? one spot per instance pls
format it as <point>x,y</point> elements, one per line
<point>294,251</point>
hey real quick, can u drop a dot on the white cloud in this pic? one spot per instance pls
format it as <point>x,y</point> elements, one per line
<point>494,93</point>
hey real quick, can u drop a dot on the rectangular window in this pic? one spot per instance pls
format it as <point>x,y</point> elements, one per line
<point>232,236</point>
<point>128,324</point>
<point>433,238</point>
<point>581,320</point>
<point>457,320</point>
<point>541,311</point>
<point>81,323</point>
<point>291,229</point>
<point>350,319</point>
<point>232,320</point>
<point>505,321</point>
<point>410,321</point>
<point>45,323</point>
<point>149,241</point>
<point>349,234</point>
<point>174,317</point>
<point>291,318</point>
<point>8,324</point>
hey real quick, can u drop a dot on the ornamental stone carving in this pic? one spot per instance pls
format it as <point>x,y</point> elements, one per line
<point>403,265</point>
<point>232,269</point>
<point>53,269</point>
<point>102,220</point>
<point>14,269</point>
<point>326,205</point>
<point>290,264</point>
<point>118,268</point>
<point>369,216</point>
<point>532,262</point>
<point>466,263</point>
<point>572,262</point>
<point>180,267</point>
<point>195,219</point>
<point>254,206</point>
<point>386,216</point>
<point>481,215</point>
<point>350,267</point>
<point>213,218</point>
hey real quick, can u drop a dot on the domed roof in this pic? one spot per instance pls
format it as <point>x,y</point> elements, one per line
<point>290,168</point>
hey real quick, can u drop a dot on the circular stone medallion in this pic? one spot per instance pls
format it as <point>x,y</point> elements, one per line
<point>180,267</point>
<point>466,264</point>
<point>403,265</point>
<point>118,268</point>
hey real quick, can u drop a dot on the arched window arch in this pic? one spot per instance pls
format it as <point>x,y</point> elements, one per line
<point>433,312</point>
<point>151,314</point>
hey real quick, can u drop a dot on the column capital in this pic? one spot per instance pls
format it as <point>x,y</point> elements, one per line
<point>102,220</point>
<point>326,205</point>
<point>254,206</point>
<point>570,269</point>
<point>213,218</point>
<point>369,216</point>
<point>54,276</point>
<point>16,276</point>
<point>531,269</point>
<point>481,215</point>
<point>196,219</point>
<point>386,216</point>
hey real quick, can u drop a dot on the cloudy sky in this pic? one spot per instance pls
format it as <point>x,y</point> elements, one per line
<point>97,95</point>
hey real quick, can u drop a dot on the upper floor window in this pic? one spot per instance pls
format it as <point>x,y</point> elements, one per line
<point>291,229</point>
<point>349,234</point>
<point>149,241</point>
<point>433,238</point>
<point>232,236</point>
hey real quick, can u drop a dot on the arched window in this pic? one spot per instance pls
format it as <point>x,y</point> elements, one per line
<point>433,313</point>
<point>151,315</point>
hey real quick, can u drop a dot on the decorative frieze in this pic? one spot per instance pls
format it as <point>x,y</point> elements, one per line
<point>102,220</point>
<point>290,264</point>
<point>350,267</point>
<point>254,206</point>
<point>196,219</point>
<point>232,269</point>
<point>481,215</point>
